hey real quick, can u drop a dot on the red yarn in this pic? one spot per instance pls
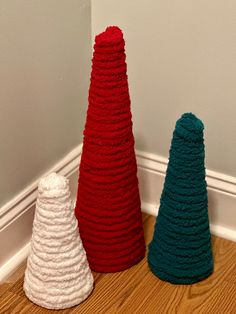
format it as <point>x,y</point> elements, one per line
<point>108,202</point>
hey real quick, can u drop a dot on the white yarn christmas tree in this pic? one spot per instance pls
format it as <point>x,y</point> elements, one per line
<point>57,274</point>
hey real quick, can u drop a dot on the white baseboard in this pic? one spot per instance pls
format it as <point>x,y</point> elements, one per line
<point>14,262</point>
<point>16,216</point>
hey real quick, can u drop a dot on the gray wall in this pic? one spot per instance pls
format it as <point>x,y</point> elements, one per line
<point>181,57</point>
<point>44,73</point>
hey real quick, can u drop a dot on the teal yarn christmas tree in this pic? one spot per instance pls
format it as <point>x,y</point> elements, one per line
<point>180,251</point>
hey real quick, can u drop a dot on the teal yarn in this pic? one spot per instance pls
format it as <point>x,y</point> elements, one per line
<point>180,251</point>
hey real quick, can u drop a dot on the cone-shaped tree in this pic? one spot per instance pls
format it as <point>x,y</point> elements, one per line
<point>57,274</point>
<point>108,202</point>
<point>180,251</point>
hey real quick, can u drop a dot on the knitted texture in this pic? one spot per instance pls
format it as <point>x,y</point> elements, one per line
<point>180,251</point>
<point>57,274</point>
<point>108,202</point>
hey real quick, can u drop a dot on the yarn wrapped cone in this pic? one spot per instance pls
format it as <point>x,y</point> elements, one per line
<point>108,202</point>
<point>180,251</point>
<point>57,274</point>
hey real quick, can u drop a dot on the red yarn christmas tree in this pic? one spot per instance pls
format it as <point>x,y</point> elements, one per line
<point>108,202</point>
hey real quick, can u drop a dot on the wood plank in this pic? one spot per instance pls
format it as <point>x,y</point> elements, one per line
<point>4,287</point>
<point>11,303</point>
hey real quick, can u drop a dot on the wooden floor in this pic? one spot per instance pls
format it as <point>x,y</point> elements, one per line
<point>137,290</point>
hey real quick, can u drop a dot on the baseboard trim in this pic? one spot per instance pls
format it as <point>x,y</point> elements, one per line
<point>18,214</point>
<point>14,262</point>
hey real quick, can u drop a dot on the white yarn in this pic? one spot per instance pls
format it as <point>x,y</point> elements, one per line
<point>57,274</point>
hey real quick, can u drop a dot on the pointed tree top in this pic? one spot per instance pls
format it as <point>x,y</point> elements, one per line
<point>53,182</point>
<point>112,35</point>
<point>189,127</point>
